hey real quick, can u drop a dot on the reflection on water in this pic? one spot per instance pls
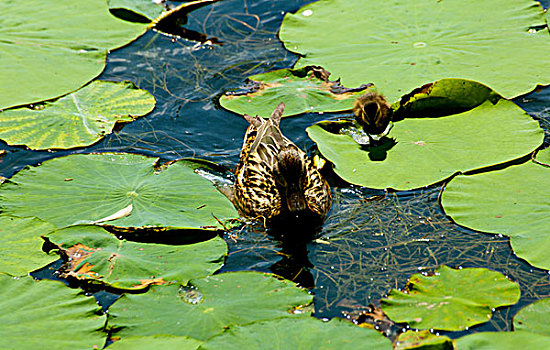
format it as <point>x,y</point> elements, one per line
<point>369,243</point>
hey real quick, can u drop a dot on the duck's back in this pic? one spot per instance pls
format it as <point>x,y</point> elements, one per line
<point>257,192</point>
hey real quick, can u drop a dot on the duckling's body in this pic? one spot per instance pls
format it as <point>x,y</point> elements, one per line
<point>374,114</point>
<point>276,179</point>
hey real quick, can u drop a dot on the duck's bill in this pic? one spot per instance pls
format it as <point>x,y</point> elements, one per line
<point>377,137</point>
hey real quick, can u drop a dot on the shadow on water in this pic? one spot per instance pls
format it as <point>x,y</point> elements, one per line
<point>370,242</point>
<point>282,250</point>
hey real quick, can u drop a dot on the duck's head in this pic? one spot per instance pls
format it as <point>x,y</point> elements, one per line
<point>374,114</point>
<point>290,178</point>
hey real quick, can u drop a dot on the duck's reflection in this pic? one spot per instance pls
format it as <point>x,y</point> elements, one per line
<point>294,264</point>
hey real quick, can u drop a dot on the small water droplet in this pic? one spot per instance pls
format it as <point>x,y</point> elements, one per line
<point>190,294</point>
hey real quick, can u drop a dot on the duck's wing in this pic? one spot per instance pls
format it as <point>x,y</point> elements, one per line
<point>317,190</point>
<point>256,194</point>
<point>249,137</point>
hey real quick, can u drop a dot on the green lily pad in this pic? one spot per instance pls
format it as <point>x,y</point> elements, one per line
<point>423,340</point>
<point>502,341</point>
<point>21,246</point>
<point>401,46</point>
<point>444,97</point>
<point>76,120</point>
<point>534,318</point>
<point>123,190</point>
<point>48,315</point>
<point>514,201</point>
<point>429,150</point>
<point>450,299</point>
<point>299,333</point>
<point>206,306</point>
<point>95,254</point>
<point>45,57</point>
<point>301,91</point>
<point>144,8</point>
<point>159,341</point>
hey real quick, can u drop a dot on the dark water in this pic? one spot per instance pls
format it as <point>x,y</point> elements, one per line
<point>375,243</point>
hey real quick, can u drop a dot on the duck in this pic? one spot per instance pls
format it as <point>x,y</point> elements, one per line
<point>373,114</point>
<point>275,179</point>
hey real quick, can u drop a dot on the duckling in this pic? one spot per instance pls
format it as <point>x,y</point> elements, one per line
<point>275,179</point>
<point>374,114</point>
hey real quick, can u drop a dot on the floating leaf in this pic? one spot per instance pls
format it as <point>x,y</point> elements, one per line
<point>96,254</point>
<point>142,8</point>
<point>205,306</point>
<point>514,201</point>
<point>299,333</point>
<point>76,120</point>
<point>427,150</point>
<point>450,299</point>
<point>401,46</point>
<point>88,188</point>
<point>444,97</point>
<point>423,340</point>
<point>158,341</point>
<point>44,57</point>
<point>534,318</point>
<point>301,91</point>
<point>48,315</point>
<point>502,341</point>
<point>21,245</point>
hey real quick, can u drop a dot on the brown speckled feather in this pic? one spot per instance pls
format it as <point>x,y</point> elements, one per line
<point>256,190</point>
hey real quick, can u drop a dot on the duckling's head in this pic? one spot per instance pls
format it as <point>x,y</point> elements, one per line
<point>290,176</point>
<point>373,113</point>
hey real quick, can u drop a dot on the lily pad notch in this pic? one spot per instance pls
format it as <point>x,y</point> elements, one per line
<point>422,151</point>
<point>446,39</point>
<point>78,119</point>
<point>117,189</point>
<point>307,89</point>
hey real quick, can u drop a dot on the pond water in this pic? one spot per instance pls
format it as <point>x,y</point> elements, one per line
<point>377,239</point>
